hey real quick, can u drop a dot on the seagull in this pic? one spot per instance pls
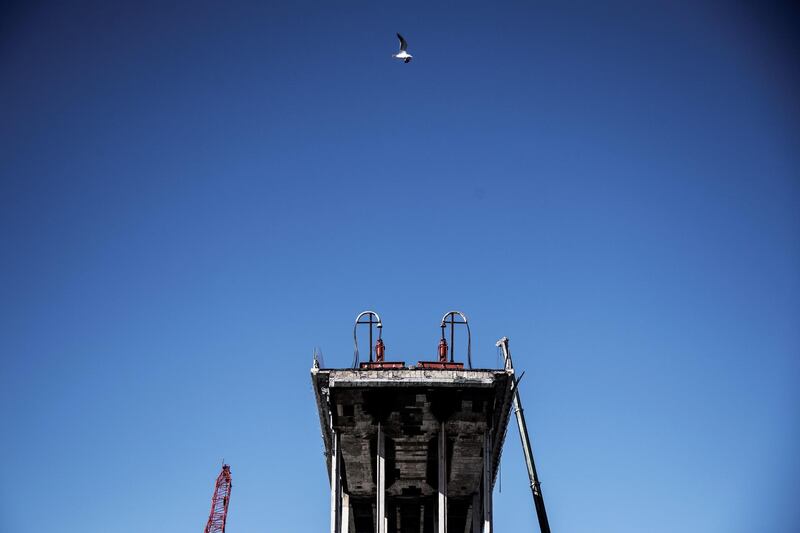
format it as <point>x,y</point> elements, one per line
<point>402,54</point>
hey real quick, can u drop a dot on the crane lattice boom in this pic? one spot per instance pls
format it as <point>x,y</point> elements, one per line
<point>219,502</point>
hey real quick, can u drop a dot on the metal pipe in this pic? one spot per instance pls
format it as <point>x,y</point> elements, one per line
<point>527,450</point>
<point>452,338</point>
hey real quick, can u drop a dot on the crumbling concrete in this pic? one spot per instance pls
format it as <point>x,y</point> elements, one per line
<point>396,428</point>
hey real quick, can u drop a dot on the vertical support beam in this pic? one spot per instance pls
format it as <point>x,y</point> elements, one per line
<point>442,507</point>
<point>487,482</point>
<point>336,484</point>
<point>476,512</point>
<point>345,527</point>
<point>380,470</point>
<point>398,517</point>
<point>468,519</point>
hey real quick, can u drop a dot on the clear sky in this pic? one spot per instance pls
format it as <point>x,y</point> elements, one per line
<point>194,195</point>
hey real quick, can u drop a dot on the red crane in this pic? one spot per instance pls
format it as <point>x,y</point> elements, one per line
<point>220,501</point>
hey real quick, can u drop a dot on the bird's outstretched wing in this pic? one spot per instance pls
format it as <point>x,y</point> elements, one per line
<point>403,43</point>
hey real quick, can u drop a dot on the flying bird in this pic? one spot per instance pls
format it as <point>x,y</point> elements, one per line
<point>403,54</point>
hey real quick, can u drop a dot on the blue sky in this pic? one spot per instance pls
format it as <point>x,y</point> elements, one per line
<point>194,196</point>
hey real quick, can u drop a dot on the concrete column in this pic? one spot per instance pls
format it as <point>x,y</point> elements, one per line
<point>487,482</point>
<point>380,507</point>
<point>441,523</point>
<point>345,527</point>
<point>336,484</point>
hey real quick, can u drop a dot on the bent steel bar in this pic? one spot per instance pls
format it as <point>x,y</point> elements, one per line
<point>371,322</point>
<point>452,322</point>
